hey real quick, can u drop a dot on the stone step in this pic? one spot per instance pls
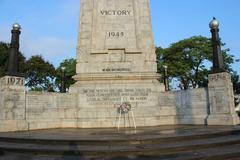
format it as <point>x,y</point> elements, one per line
<point>122,140</point>
<point>231,152</point>
<point>107,150</point>
<point>169,143</point>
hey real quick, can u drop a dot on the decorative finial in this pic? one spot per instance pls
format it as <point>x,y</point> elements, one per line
<point>214,24</point>
<point>16,26</point>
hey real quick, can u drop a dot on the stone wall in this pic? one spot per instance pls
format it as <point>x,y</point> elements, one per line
<point>51,110</point>
<point>192,106</point>
<point>88,108</point>
<point>185,107</point>
<point>42,110</point>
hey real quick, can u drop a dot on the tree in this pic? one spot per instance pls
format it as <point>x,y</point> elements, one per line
<point>40,74</point>
<point>4,49</point>
<point>187,59</point>
<point>70,71</point>
<point>3,58</point>
<point>236,82</point>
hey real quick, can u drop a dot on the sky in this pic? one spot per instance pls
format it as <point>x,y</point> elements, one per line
<point>50,27</point>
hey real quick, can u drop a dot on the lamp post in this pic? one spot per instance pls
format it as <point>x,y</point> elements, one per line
<point>218,65</point>
<point>165,74</point>
<point>63,83</point>
<point>13,61</point>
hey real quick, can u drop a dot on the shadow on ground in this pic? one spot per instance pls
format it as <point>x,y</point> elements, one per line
<point>73,153</point>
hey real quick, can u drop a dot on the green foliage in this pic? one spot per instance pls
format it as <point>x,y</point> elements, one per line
<point>40,74</point>
<point>236,82</point>
<point>4,49</point>
<point>70,71</point>
<point>186,61</point>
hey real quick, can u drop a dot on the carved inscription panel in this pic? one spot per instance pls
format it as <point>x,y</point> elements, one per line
<point>11,80</point>
<point>39,101</point>
<point>113,25</point>
<point>115,36</point>
<point>113,96</point>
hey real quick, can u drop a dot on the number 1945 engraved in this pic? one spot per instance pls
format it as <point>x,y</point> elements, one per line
<point>115,34</point>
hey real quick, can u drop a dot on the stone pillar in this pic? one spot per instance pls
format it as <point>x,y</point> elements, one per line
<point>12,104</point>
<point>221,97</point>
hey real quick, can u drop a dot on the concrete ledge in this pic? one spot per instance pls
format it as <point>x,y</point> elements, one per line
<point>13,125</point>
<point>192,120</point>
<point>223,120</point>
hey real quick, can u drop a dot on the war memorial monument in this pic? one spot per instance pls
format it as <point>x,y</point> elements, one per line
<point>116,64</point>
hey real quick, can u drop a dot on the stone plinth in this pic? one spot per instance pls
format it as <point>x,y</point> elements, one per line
<point>98,100</point>
<point>221,97</point>
<point>12,104</point>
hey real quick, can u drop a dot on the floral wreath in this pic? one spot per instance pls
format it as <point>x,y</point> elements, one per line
<point>124,108</point>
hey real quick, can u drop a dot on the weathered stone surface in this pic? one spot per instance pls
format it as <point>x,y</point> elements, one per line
<point>115,36</point>
<point>12,104</point>
<point>12,101</point>
<point>115,41</point>
<point>51,110</point>
<point>12,83</point>
<point>54,110</point>
<point>222,108</point>
<point>187,107</point>
<point>116,62</point>
<point>13,125</point>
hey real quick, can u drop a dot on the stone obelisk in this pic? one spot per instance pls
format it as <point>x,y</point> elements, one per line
<point>116,59</point>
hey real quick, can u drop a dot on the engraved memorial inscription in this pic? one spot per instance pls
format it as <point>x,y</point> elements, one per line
<point>111,96</point>
<point>18,81</point>
<point>115,34</point>
<point>115,12</point>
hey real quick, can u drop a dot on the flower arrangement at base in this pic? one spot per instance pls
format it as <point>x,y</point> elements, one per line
<point>124,108</point>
